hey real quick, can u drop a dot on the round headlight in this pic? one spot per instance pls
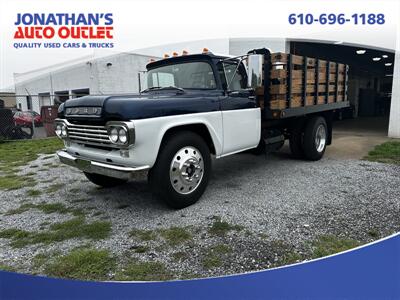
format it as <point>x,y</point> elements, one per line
<point>58,129</point>
<point>63,130</point>
<point>123,138</point>
<point>114,135</point>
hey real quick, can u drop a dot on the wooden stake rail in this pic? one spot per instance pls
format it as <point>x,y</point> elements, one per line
<point>298,81</point>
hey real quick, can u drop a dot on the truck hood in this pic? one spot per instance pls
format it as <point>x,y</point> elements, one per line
<point>141,106</point>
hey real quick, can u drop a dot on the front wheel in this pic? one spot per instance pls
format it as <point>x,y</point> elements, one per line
<point>180,174</point>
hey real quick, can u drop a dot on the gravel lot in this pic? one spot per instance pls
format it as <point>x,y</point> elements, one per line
<point>275,206</point>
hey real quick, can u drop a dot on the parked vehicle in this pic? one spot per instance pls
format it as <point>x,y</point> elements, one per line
<point>26,117</point>
<point>10,131</point>
<point>199,106</point>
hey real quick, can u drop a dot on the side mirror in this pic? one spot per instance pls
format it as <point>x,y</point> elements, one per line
<point>255,76</point>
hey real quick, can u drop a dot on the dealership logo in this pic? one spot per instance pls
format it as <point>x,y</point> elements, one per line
<point>84,30</point>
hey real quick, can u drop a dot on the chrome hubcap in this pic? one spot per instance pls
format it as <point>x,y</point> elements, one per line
<point>186,170</point>
<point>320,138</point>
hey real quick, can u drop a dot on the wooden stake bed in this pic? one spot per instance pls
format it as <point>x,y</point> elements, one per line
<point>297,83</point>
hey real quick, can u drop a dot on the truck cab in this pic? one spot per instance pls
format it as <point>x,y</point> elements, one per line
<point>194,107</point>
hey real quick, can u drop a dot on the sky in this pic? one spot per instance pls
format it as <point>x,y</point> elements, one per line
<point>142,24</point>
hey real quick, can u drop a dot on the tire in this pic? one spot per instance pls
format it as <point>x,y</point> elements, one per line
<point>104,181</point>
<point>296,143</point>
<point>315,138</point>
<point>183,153</point>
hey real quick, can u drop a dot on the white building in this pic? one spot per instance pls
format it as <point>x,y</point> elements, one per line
<point>106,75</point>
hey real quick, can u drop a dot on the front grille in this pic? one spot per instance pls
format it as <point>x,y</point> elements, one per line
<point>89,135</point>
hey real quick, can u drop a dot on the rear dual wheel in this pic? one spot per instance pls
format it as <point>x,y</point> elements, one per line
<point>310,142</point>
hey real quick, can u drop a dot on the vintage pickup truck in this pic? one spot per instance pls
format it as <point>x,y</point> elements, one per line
<point>198,106</point>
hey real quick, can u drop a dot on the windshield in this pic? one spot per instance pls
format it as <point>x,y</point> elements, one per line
<point>190,75</point>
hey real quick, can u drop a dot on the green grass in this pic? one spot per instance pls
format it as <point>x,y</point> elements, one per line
<point>11,181</point>
<point>14,155</point>
<point>215,255</point>
<point>144,271</point>
<point>74,228</point>
<point>87,264</point>
<point>79,200</point>
<point>39,260</point>
<point>21,209</point>
<point>46,208</point>
<point>5,267</point>
<point>291,258</point>
<point>221,228</point>
<point>33,193</point>
<point>54,187</point>
<point>388,152</point>
<point>211,262</point>
<point>143,235</point>
<point>19,153</point>
<point>180,256</point>
<point>328,244</point>
<point>13,233</point>
<point>175,235</point>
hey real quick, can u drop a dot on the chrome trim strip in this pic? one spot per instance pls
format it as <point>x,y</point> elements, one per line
<point>84,138</point>
<point>72,132</point>
<point>89,130</point>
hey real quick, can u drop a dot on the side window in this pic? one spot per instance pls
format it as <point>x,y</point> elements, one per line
<point>235,76</point>
<point>163,79</point>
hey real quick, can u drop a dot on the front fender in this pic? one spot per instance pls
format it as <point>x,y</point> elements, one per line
<point>150,132</point>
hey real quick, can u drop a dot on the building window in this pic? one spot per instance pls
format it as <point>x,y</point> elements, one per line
<point>60,97</point>
<point>80,93</point>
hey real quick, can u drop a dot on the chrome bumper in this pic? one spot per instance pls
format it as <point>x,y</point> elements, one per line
<point>98,167</point>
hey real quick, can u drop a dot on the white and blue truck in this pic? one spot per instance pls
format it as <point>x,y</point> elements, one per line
<point>200,106</point>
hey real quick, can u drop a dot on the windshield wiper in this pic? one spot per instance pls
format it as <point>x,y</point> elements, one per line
<point>171,87</point>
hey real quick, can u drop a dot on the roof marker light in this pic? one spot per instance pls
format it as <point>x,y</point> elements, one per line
<point>174,54</point>
<point>205,50</point>
<point>152,60</point>
<point>166,55</point>
<point>184,52</point>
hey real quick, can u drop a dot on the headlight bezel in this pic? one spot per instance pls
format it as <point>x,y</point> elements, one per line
<point>127,127</point>
<point>61,129</point>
